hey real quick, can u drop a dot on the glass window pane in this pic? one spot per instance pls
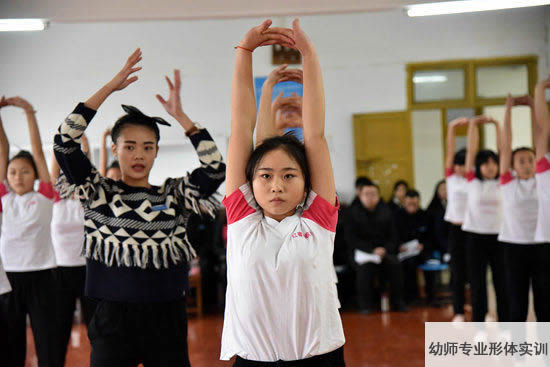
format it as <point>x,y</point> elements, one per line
<point>461,139</point>
<point>438,85</point>
<point>498,81</point>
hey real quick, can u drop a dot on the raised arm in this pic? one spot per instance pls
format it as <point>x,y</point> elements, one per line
<point>103,154</point>
<point>506,140</point>
<point>313,113</point>
<point>4,146</point>
<point>207,178</point>
<point>473,139</point>
<point>265,124</point>
<point>34,133</point>
<point>542,118</point>
<point>243,105</point>
<point>451,144</point>
<point>74,163</point>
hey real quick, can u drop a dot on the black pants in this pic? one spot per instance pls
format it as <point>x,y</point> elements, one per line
<point>410,279</point>
<point>389,270</point>
<point>457,249</point>
<point>69,283</point>
<point>33,293</point>
<point>332,359</point>
<point>126,334</point>
<point>481,251</point>
<point>528,265</point>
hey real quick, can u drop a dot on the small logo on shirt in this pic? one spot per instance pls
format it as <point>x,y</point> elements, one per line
<point>31,203</point>
<point>300,234</point>
<point>157,208</point>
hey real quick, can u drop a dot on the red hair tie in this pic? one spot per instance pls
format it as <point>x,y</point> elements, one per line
<point>244,48</point>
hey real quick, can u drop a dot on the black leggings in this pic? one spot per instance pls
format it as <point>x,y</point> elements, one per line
<point>126,334</point>
<point>528,265</point>
<point>69,283</point>
<point>33,294</point>
<point>457,249</point>
<point>332,359</point>
<point>481,251</point>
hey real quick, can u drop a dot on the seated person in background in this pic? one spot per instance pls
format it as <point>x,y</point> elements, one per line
<point>398,195</point>
<point>359,183</point>
<point>436,212</point>
<point>369,230</point>
<point>415,238</point>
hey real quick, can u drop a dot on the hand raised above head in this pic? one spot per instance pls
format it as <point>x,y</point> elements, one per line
<point>19,102</point>
<point>263,35</point>
<point>3,101</point>
<point>173,104</point>
<point>123,78</point>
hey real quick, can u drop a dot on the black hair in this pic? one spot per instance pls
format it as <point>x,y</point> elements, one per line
<point>397,184</point>
<point>412,193</point>
<point>521,149</point>
<point>482,157</point>
<point>26,155</point>
<point>127,120</point>
<point>362,181</point>
<point>114,164</point>
<point>460,158</point>
<point>368,183</point>
<point>436,201</point>
<point>291,145</point>
<point>134,116</point>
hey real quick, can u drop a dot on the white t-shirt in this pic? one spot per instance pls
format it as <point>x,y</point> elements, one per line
<point>484,209</point>
<point>281,301</point>
<point>26,243</point>
<point>457,197</point>
<point>543,189</point>
<point>519,209</point>
<point>68,232</point>
<point>4,282</point>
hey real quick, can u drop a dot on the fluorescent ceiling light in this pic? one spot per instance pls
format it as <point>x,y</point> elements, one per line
<point>467,6</point>
<point>15,25</point>
<point>429,79</point>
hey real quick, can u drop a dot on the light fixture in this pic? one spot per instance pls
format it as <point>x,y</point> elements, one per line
<point>18,25</point>
<point>429,79</point>
<point>468,6</point>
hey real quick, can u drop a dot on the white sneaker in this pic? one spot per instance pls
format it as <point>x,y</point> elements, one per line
<point>458,318</point>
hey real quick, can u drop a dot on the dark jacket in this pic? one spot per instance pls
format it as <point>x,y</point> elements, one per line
<point>365,229</point>
<point>414,226</point>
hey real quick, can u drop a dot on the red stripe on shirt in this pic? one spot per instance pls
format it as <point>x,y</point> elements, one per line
<point>543,165</point>
<point>323,213</point>
<point>470,176</point>
<point>237,207</point>
<point>46,189</point>
<point>3,191</point>
<point>449,172</point>
<point>506,178</point>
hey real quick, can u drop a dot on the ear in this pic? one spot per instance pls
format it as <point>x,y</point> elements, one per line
<point>113,149</point>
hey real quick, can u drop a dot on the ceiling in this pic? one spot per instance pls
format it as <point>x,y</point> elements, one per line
<point>131,10</point>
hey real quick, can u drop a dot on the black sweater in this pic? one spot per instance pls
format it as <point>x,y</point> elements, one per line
<point>135,243</point>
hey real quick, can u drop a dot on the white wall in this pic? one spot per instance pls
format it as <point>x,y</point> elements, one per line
<point>428,154</point>
<point>363,57</point>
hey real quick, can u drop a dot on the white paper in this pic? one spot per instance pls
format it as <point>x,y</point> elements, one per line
<point>362,257</point>
<point>412,248</point>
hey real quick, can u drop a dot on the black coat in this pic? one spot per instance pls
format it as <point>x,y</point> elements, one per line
<point>365,229</point>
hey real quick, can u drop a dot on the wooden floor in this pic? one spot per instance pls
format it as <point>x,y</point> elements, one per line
<point>382,339</point>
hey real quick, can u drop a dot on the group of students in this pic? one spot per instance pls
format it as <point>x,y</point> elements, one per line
<point>499,214</point>
<point>401,236</point>
<point>123,242</point>
<point>493,210</point>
